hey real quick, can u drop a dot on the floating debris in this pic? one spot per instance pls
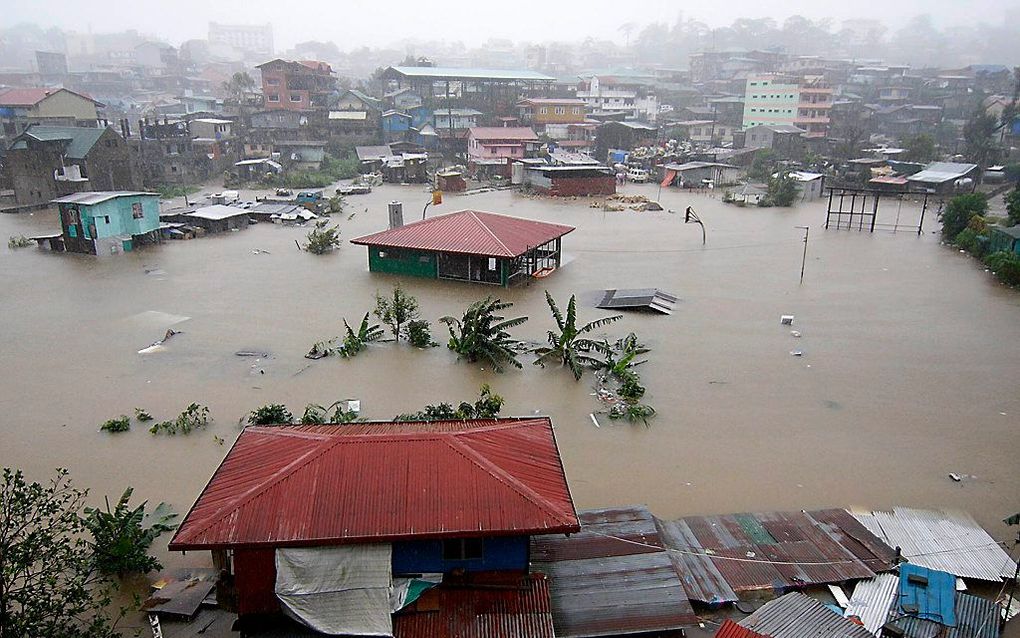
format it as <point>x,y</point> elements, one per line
<point>786,320</point>
<point>157,346</point>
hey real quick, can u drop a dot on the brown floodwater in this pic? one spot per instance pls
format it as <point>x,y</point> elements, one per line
<point>911,355</point>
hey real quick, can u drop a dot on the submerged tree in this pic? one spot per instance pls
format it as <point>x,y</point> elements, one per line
<point>487,406</point>
<point>49,584</point>
<point>570,346</point>
<point>323,238</point>
<point>481,334</point>
<point>396,311</point>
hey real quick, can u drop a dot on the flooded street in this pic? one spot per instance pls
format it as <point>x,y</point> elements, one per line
<point>911,355</point>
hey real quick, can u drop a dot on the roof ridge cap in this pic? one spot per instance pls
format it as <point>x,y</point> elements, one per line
<point>501,475</point>
<point>474,215</point>
<point>304,459</point>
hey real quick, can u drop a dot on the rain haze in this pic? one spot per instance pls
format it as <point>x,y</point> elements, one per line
<point>566,319</point>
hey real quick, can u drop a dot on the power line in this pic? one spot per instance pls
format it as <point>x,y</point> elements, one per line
<point>713,556</point>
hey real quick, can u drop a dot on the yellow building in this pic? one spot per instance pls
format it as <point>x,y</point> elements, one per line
<point>542,111</point>
<point>49,107</point>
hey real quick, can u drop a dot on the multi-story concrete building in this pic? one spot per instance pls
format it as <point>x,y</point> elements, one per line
<point>630,95</point>
<point>254,40</point>
<point>296,86</point>
<point>804,102</point>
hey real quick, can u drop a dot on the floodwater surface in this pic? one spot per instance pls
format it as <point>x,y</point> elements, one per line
<point>911,355</point>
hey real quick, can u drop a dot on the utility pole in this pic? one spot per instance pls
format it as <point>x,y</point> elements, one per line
<point>803,260</point>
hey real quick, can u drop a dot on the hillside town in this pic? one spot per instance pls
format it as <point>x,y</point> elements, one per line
<point>805,255</point>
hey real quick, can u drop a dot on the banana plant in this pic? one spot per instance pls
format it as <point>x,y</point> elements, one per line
<point>570,346</point>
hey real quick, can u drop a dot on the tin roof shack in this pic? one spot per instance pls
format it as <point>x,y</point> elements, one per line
<point>699,174</point>
<point>1004,239</point>
<point>458,500</point>
<point>810,184</point>
<point>46,162</point>
<point>468,246</point>
<point>946,178</point>
<point>108,222</point>
<point>216,218</point>
<point>570,181</point>
<point>622,135</point>
<point>298,155</point>
<point>613,578</point>
<point>785,139</point>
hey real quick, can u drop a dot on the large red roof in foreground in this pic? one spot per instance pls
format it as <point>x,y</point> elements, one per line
<point>472,232</point>
<point>333,484</point>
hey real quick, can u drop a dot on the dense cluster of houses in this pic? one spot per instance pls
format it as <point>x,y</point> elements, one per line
<point>183,120</point>
<point>485,541</point>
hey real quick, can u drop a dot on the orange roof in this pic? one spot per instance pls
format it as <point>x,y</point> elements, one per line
<point>470,232</point>
<point>301,485</point>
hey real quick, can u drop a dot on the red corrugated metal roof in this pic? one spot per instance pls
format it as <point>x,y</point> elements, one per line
<point>448,612</point>
<point>522,133</point>
<point>731,629</point>
<point>331,484</point>
<point>470,231</point>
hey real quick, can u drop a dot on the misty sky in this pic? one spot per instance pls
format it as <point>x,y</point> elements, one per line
<point>352,23</point>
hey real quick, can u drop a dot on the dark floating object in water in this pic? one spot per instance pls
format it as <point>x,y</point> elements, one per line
<point>638,299</point>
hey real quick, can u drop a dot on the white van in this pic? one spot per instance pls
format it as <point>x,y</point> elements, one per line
<point>637,175</point>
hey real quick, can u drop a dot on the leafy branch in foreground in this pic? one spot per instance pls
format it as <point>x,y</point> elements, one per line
<point>49,582</point>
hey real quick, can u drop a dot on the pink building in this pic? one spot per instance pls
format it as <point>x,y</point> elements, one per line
<point>509,143</point>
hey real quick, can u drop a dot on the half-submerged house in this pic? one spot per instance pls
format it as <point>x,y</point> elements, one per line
<point>107,222</point>
<point>317,524</point>
<point>468,245</point>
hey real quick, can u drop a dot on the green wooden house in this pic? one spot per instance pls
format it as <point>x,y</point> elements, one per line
<point>108,222</point>
<point>468,245</point>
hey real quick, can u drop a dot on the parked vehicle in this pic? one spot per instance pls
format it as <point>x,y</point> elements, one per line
<point>637,175</point>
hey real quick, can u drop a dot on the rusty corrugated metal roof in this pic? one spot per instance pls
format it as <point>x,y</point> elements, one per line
<point>470,232</point>
<point>719,557</point>
<point>330,484</point>
<point>451,612</point>
<point>613,577</point>
<point>730,629</point>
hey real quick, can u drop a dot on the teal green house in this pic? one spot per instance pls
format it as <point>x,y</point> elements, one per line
<point>1004,239</point>
<point>108,222</point>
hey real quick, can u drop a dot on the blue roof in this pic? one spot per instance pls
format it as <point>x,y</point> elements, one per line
<point>927,594</point>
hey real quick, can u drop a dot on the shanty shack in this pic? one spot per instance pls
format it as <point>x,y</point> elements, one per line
<point>385,528</point>
<point>108,222</point>
<point>468,245</point>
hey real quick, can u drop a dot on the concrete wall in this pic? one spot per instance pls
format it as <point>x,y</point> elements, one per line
<point>65,104</point>
<point>576,186</point>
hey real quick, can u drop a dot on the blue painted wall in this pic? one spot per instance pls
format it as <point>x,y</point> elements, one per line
<point>114,216</point>
<point>396,123</point>
<point>499,554</point>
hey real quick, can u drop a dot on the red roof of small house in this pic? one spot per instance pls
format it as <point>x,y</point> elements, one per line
<point>309,485</point>
<point>469,232</point>
<point>730,629</point>
<point>32,96</point>
<point>524,611</point>
<point>521,133</point>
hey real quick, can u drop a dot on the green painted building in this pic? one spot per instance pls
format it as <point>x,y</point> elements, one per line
<point>1004,239</point>
<point>108,222</point>
<point>470,246</point>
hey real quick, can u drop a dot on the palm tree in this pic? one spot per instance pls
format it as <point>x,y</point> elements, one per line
<point>629,349</point>
<point>481,335</point>
<point>570,346</point>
